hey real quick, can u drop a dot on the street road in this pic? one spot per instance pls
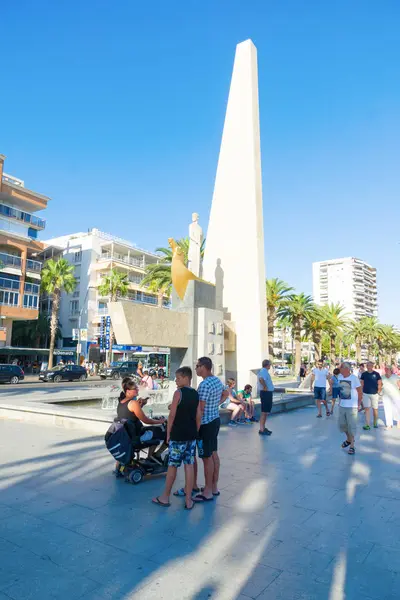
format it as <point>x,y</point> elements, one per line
<point>32,384</point>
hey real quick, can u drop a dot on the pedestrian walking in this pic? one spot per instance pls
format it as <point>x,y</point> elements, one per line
<point>211,395</point>
<point>391,397</point>
<point>371,383</point>
<point>335,387</point>
<point>350,399</point>
<point>319,376</point>
<point>265,389</point>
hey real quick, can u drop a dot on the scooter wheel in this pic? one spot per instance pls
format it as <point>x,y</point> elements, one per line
<point>136,476</point>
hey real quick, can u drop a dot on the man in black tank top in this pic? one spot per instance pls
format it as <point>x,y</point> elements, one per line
<point>183,426</point>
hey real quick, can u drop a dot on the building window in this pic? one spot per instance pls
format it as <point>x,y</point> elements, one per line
<point>9,298</point>
<point>77,257</point>
<point>74,307</point>
<point>31,301</point>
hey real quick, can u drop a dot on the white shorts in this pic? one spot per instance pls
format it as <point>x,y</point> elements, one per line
<point>370,400</point>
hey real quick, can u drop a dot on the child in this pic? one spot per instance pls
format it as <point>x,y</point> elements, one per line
<point>245,396</point>
<point>183,426</point>
<point>335,387</point>
<point>234,404</point>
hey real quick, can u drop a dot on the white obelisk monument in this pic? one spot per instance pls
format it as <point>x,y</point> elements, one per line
<point>235,236</point>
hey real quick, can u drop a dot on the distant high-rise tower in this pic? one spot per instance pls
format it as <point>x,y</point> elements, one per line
<point>349,281</point>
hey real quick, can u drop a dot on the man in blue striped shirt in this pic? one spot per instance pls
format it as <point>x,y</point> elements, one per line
<point>211,395</point>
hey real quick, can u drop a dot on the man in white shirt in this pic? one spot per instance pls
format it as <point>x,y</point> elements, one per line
<point>350,399</point>
<point>319,377</point>
<point>265,389</point>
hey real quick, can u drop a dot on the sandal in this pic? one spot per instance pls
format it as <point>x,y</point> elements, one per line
<point>319,416</point>
<point>352,450</point>
<point>191,508</point>
<point>202,498</point>
<point>181,492</point>
<point>158,501</point>
<point>345,444</point>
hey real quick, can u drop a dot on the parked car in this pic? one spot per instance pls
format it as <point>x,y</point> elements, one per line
<point>11,374</point>
<point>119,370</point>
<point>281,371</point>
<point>65,373</point>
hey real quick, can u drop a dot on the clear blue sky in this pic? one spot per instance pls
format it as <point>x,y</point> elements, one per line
<point>115,110</point>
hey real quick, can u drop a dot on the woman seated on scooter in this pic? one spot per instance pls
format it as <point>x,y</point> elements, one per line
<point>130,408</point>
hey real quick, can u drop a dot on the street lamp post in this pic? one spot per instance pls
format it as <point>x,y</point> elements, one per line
<point>79,344</point>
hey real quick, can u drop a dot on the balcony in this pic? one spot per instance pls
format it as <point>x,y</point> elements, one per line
<point>9,260</point>
<point>21,216</point>
<point>31,288</point>
<point>124,258</point>
<point>31,301</point>
<point>9,298</point>
<point>33,265</point>
<point>9,284</point>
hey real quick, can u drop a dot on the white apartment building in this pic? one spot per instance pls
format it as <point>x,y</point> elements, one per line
<point>93,255</point>
<point>349,281</point>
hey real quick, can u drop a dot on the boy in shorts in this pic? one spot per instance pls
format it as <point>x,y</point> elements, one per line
<point>182,429</point>
<point>245,396</point>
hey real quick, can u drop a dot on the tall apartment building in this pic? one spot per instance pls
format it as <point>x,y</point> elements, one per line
<point>349,281</point>
<point>93,255</point>
<point>19,247</point>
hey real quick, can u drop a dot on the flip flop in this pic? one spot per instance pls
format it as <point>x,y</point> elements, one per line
<point>191,508</point>
<point>202,498</point>
<point>158,501</point>
<point>181,492</point>
<point>216,494</point>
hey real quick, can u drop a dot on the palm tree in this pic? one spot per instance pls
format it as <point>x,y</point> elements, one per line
<point>114,285</point>
<point>296,308</point>
<point>158,275</point>
<point>357,331</point>
<point>371,331</point>
<point>57,276</point>
<point>277,291</point>
<point>314,325</point>
<point>335,322</point>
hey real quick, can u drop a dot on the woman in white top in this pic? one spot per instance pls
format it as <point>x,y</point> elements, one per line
<point>391,397</point>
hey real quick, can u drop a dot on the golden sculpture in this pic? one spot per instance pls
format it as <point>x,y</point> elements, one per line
<point>180,274</point>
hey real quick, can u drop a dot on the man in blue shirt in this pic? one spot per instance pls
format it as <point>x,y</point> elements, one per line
<point>212,393</point>
<point>265,389</point>
<point>371,383</point>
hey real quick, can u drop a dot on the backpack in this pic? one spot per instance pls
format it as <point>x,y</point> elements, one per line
<point>119,442</point>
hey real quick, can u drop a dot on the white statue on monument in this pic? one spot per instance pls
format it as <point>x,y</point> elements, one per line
<point>195,239</point>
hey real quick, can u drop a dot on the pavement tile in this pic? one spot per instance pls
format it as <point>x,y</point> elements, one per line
<point>336,524</point>
<point>360,581</point>
<point>295,559</point>
<point>384,557</point>
<point>377,532</point>
<point>70,516</point>
<point>7,511</point>
<point>42,504</point>
<point>24,575</point>
<point>292,586</point>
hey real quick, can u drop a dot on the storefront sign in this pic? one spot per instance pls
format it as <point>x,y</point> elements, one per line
<point>156,349</point>
<point>108,329</point>
<point>125,348</point>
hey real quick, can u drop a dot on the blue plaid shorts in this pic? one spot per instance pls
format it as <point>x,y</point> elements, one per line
<point>181,452</point>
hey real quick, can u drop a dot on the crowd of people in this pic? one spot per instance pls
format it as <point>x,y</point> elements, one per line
<point>357,390</point>
<point>193,425</point>
<point>194,416</point>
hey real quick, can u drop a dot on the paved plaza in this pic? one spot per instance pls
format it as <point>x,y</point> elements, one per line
<point>297,519</point>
